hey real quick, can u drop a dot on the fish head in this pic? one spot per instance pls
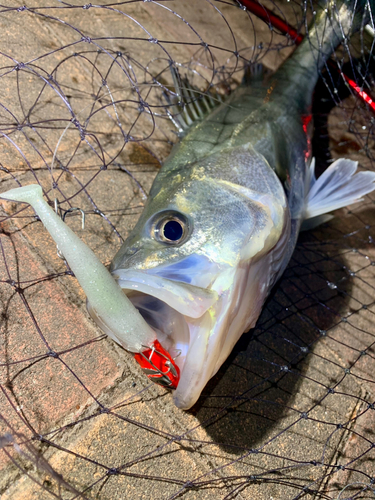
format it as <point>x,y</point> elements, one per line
<point>200,262</point>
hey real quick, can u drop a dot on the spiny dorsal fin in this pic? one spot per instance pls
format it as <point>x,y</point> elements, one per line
<point>254,72</point>
<point>188,105</point>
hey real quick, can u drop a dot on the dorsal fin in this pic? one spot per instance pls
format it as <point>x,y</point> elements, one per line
<point>189,104</point>
<point>254,71</point>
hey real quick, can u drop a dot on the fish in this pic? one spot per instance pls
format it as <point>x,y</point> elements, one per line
<point>221,220</point>
<point>225,210</point>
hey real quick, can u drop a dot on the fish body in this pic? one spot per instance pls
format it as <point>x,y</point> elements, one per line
<point>221,221</point>
<point>224,213</point>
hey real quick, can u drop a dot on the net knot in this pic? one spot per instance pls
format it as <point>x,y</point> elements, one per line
<point>39,437</point>
<point>112,472</point>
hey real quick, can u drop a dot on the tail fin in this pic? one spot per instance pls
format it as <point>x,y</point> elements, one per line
<point>333,24</point>
<point>337,187</point>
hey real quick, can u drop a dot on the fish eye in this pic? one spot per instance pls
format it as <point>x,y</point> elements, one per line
<point>171,228</point>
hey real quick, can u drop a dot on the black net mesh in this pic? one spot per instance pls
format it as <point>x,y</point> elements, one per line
<point>291,414</point>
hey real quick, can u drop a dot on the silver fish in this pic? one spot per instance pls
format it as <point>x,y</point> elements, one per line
<point>221,221</point>
<point>225,210</point>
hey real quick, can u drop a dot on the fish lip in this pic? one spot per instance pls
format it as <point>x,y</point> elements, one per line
<point>181,305</point>
<point>189,300</point>
<point>193,333</point>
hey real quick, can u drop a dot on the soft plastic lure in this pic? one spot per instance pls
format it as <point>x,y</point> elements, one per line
<point>119,318</point>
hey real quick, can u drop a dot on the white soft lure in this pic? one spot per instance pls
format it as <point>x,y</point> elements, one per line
<point>126,325</point>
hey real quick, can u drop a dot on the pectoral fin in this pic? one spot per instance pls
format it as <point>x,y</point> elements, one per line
<point>336,188</point>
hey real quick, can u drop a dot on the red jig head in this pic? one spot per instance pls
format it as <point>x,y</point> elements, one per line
<point>159,366</point>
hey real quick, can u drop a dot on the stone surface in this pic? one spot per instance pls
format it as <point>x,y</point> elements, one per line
<point>289,410</point>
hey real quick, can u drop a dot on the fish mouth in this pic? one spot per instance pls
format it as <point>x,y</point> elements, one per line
<point>183,317</point>
<point>197,326</point>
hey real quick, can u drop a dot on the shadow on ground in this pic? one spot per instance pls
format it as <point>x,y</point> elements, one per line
<point>255,389</point>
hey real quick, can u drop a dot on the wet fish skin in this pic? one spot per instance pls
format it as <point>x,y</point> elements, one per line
<point>233,226</point>
<point>236,183</point>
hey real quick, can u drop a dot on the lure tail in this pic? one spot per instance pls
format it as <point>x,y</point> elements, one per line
<point>120,319</point>
<point>106,301</point>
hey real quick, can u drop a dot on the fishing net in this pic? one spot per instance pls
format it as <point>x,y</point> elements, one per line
<point>83,112</point>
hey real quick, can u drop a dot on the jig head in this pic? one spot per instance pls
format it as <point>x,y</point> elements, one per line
<point>159,366</point>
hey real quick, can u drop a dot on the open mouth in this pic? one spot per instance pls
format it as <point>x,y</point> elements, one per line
<point>197,327</point>
<point>170,307</point>
<point>182,316</point>
<point>171,327</point>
